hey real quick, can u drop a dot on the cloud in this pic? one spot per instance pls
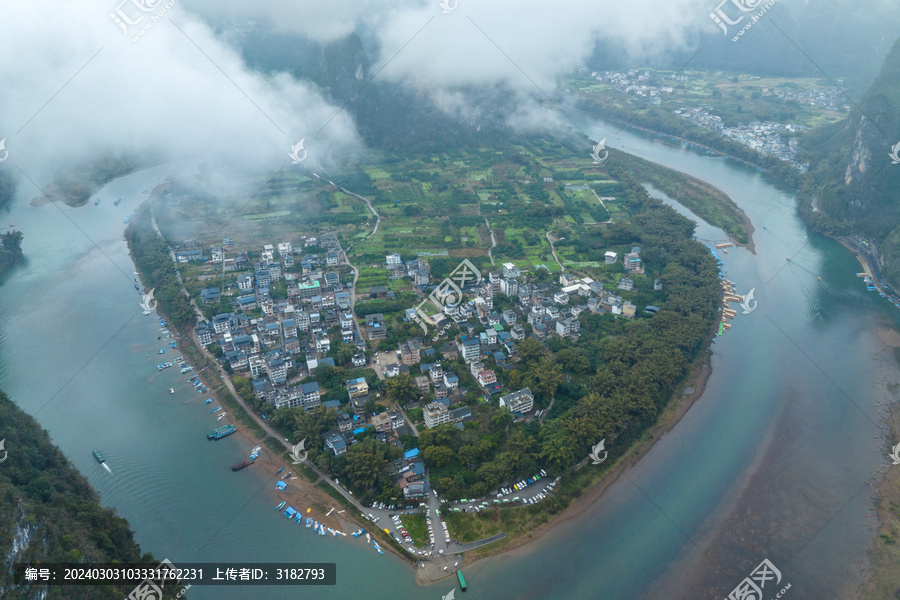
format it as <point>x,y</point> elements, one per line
<point>76,85</point>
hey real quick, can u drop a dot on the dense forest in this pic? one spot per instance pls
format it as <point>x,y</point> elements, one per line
<point>152,256</point>
<point>852,185</point>
<point>50,513</point>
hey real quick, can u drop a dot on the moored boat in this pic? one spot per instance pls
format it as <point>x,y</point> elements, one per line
<point>241,465</point>
<point>221,432</point>
<point>280,506</point>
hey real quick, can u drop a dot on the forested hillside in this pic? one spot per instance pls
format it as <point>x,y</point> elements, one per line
<point>50,513</point>
<point>853,184</point>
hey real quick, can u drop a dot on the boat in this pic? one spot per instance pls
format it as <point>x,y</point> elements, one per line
<point>215,409</point>
<point>221,416</point>
<point>280,470</point>
<point>280,506</point>
<point>118,200</point>
<point>97,202</point>
<point>98,456</point>
<point>462,580</point>
<point>221,432</point>
<point>819,278</point>
<point>171,390</point>
<point>787,258</point>
<point>241,465</point>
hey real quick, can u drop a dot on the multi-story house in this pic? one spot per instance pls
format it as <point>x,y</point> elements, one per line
<point>518,402</point>
<point>510,287</point>
<point>376,327</point>
<point>435,414</point>
<point>511,271</point>
<point>409,353</point>
<point>470,349</point>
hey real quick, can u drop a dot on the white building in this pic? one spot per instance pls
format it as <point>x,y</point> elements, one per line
<point>518,402</point>
<point>436,414</point>
<point>511,271</point>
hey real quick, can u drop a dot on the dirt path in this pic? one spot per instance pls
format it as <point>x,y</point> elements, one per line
<point>552,239</point>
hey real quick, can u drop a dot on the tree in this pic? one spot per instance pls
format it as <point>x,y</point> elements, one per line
<point>401,389</point>
<point>547,377</point>
<point>367,463</point>
<point>438,456</point>
<point>530,351</point>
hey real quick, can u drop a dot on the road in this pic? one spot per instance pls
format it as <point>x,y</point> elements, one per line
<point>493,240</point>
<point>553,250</point>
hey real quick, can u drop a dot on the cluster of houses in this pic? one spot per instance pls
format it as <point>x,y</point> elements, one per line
<point>640,83</point>
<point>768,137</point>
<point>289,338</point>
<point>287,334</point>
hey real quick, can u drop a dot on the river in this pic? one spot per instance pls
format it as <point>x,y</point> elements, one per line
<point>771,462</point>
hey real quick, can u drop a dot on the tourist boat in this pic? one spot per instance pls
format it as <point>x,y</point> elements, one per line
<point>241,465</point>
<point>462,580</point>
<point>98,456</point>
<point>280,506</point>
<point>221,432</point>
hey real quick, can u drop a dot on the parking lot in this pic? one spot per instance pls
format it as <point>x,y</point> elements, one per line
<point>528,491</point>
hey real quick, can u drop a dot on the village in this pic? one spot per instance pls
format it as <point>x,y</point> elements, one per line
<point>281,345</point>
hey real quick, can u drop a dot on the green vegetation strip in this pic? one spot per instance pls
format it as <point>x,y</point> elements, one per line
<point>705,201</point>
<point>238,412</point>
<point>417,528</point>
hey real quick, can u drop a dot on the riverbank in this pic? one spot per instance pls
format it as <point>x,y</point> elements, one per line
<point>704,200</point>
<point>884,556</point>
<point>692,388</point>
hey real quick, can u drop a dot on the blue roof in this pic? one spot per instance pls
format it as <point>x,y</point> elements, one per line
<point>308,388</point>
<point>411,453</point>
<point>358,431</point>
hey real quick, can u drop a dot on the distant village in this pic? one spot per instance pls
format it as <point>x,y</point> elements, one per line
<point>768,137</point>
<point>279,343</point>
